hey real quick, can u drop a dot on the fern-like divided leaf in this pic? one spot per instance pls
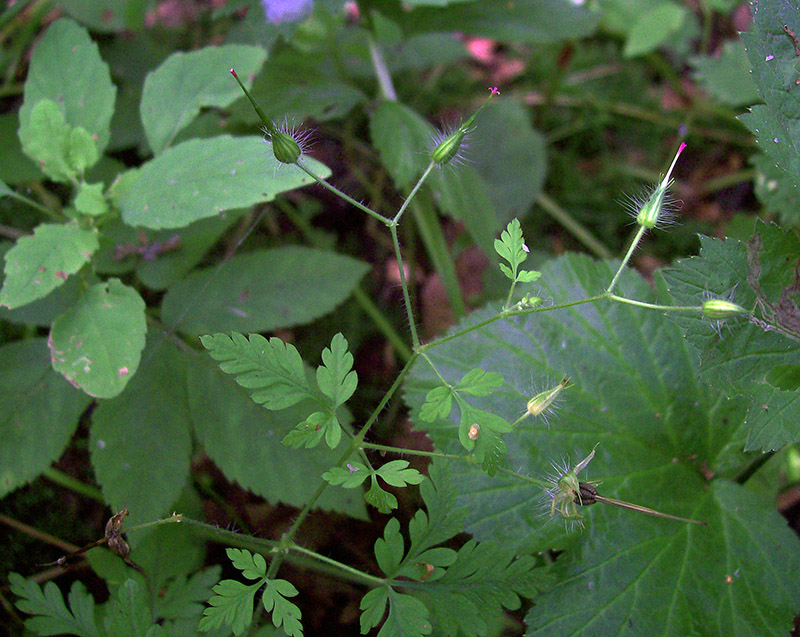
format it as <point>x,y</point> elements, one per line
<point>458,592</point>
<point>50,614</point>
<point>271,368</point>
<point>232,603</point>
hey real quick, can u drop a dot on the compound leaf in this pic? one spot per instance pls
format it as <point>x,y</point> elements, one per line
<point>284,612</point>
<point>51,615</point>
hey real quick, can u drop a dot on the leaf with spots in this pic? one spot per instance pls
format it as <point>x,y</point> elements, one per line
<point>40,263</point>
<point>97,343</point>
<point>203,177</point>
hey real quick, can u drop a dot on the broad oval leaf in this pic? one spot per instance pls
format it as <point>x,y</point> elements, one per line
<point>664,440</point>
<point>38,413</point>
<point>97,343</point>
<point>204,177</point>
<point>262,290</point>
<point>66,68</point>
<point>175,92</point>
<point>142,438</point>
<point>40,263</point>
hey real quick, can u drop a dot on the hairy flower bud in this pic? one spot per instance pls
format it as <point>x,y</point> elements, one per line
<point>449,144</point>
<point>720,309</point>
<point>651,210</point>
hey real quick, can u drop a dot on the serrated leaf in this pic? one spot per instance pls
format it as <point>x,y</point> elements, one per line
<point>334,376</point>
<point>438,404</point>
<point>97,344</point>
<point>38,413</point>
<point>143,437</point>
<point>174,93</point>
<point>636,392</point>
<point>397,474</point>
<point>244,440</point>
<point>262,290</point>
<point>727,77</point>
<point>272,368</point>
<point>313,429</point>
<point>66,68</point>
<point>128,613</point>
<point>231,605</point>
<point>40,263</point>
<point>737,354</point>
<point>201,178</point>
<point>51,616</point>
<point>477,382</point>
<point>382,500</point>
<point>284,613</point>
<point>348,477</point>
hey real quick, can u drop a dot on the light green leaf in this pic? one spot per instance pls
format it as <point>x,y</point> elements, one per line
<point>66,68</point>
<point>271,367</point>
<point>397,474</point>
<point>244,440</point>
<point>438,404</point>
<point>231,605</point>
<point>51,616</point>
<point>96,345</point>
<point>653,28</point>
<point>40,263</point>
<point>175,92</point>
<point>262,290</point>
<point>477,382</point>
<point>284,612</point>
<point>90,200</point>
<point>252,565</point>
<point>348,477</point>
<point>662,435</point>
<point>142,437</point>
<point>389,549</point>
<point>38,413</point>
<point>310,432</point>
<point>203,177</point>
<point>382,500</point>
<point>335,376</point>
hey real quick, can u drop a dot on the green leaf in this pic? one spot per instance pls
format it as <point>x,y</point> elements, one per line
<point>66,68</point>
<point>389,549</point>
<point>175,92</point>
<point>142,437</point>
<point>228,424</point>
<point>653,28</point>
<point>775,190</point>
<point>252,565</point>
<point>349,477</point>
<point>401,137</point>
<point>262,290</point>
<point>231,605</point>
<point>51,615</point>
<point>310,432</point>
<point>334,376</point>
<point>662,435</point>
<point>90,200</point>
<point>480,432</point>
<point>373,607</point>
<point>203,177</point>
<point>526,21</point>
<point>727,77</point>
<point>61,151</point>
<point>737,354</point>
<point>271,367</point>
<point>776,123</point>
<point>284,612</point>
<point>40,263</point>
<point>129,612</point>
<point>397,474</point>
<point>438,404</point>
<point>109,16</point>
<point>407,617</point>
<point>38,413</point>
<point>97,344</point>
<point>382,500</point>
<point>477,382</point>
<point>15,166</point>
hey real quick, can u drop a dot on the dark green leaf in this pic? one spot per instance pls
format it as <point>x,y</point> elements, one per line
<point>51,616</point>
<point>231,605</point>
<point>727,77</point>
<point>97,344</point>
<point>373,607</point>
<point>284,612</point>
<point>175,92</point>
<point>408,617</point>
<point>262,290</point>
<point>201,178</point>
<point>39,412</point>
<point>40,263</point>
<point>129,612</point>
<point>401,137</point>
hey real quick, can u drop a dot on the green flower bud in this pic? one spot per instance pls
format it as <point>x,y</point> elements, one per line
<point>284,147</point>
<point>542,401</point>
<point>720,309</point>
<point>449,144</point>
<point>651,211</point>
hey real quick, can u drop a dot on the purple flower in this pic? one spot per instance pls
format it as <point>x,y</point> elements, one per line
<point>286,10</point>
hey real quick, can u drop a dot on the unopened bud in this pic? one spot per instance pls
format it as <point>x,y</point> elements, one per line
<point>542,401</point>
<point>650,212</point>
<point>720,309</point>
<point>449,145</point>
